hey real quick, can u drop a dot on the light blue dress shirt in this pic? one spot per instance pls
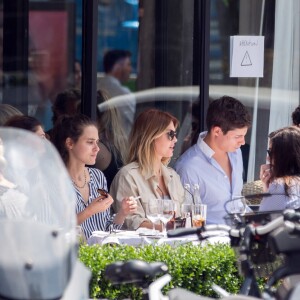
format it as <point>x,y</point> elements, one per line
<point>197,165</point>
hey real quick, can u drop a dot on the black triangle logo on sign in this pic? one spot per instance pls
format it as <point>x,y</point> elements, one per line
<point>246,60</point>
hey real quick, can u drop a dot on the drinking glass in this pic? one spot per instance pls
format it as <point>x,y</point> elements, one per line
<point>199,215</point>
<point>237,205</point>
<point>153,213</point>
<point>166,212</point>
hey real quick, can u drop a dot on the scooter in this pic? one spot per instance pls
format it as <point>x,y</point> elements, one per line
<point>257,244</point>
<point>38,257</point>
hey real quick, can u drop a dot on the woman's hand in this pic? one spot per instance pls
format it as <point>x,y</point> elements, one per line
<point>265,175</point>
<point>101,204</point>
<point>128,206</point>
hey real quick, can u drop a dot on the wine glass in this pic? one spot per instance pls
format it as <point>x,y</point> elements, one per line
<point>166,212</point>
<point>238,205</point>
<point>153,213</point>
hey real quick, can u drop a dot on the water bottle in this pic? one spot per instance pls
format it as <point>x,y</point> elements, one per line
<point>186,208</point>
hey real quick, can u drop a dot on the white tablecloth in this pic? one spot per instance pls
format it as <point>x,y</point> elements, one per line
<point>140,237</point>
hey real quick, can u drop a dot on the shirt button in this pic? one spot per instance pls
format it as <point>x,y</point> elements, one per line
<point>225,176</point>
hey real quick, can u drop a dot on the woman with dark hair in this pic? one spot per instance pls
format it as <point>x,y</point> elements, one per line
<point>76,139</point>
<point>28,123</point>
<point>152,142</point>
<point>281,177</point>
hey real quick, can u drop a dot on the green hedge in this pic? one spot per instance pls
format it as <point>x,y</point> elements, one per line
<point>192,267</point>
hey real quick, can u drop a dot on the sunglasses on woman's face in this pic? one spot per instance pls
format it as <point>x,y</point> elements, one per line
<point>171,135</point>
<point>103,193</point>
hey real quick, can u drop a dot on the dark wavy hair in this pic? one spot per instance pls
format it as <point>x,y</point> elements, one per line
<point>24,122</point>
<point>66,103</point>
<point>285,155</point>
<point>69,127</point>
<point>296,116</point>
<point>227,113</point>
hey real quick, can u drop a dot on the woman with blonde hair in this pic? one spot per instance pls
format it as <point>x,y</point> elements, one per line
<point>113,141</point>
<point>146,175</point>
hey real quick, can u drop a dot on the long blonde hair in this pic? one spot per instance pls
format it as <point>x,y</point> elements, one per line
<point>7,111</point>
<point>148,126</point>
<point>110,130</point>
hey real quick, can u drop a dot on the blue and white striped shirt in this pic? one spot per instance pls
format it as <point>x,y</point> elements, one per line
<point>99,221</point>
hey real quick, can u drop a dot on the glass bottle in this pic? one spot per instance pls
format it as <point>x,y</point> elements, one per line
<point>188,196</point>
<point>186,207</point>
<point>196,194</point>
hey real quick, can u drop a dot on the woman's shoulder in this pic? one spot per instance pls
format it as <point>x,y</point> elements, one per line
<point>95,172</point>
<point>129,168</point>
<point>170,170</point>
<point>292,180</point>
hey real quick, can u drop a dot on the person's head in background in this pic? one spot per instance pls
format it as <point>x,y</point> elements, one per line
<point>227,121</point>
<point>117,63</point>
<point>153,138</point>
<point>284,152</point>
<point>77,74</point>
<point>27,123</point>
<point>296,116</point>
<point>7,111</point>
<point>66,103</point>
<point>80,131</point>
<point>110,129</point>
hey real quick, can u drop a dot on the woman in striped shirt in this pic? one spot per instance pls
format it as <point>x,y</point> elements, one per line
<point>76,138</point>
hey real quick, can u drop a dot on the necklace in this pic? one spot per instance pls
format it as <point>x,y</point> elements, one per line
<point>80,187</point>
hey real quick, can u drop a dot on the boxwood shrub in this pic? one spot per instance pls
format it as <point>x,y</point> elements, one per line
<point>192,267</point>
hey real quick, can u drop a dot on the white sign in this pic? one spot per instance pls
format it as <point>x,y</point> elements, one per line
<point>246,56</point>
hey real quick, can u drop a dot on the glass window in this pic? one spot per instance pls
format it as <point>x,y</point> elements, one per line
<point>161,41</point>
<point>49,67</point>
<point>164,62</point>
<point>273,97</point>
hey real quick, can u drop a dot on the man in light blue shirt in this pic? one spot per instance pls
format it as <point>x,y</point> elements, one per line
<point>215,162</point>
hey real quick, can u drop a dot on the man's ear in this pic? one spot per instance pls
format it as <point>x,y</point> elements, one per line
<point>216,130</point>
<point>69,143</point>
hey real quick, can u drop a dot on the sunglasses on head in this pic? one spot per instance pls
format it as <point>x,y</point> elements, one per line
<point>103,193</point>
<point>171,134</point>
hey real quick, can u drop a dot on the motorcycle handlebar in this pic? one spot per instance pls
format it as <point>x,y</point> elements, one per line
<point>288,218</point>
<point>198,230</point>
<point>291,215</point>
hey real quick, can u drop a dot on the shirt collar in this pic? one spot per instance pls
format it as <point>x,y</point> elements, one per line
<point>207,151</point>
<point>113,79</point>
<point>152,174</point>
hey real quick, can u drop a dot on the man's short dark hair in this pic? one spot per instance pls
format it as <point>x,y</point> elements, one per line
<point>227,113</point>
<point>112,57</point>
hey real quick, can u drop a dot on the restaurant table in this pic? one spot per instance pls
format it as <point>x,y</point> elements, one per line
<point>144,236</point>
